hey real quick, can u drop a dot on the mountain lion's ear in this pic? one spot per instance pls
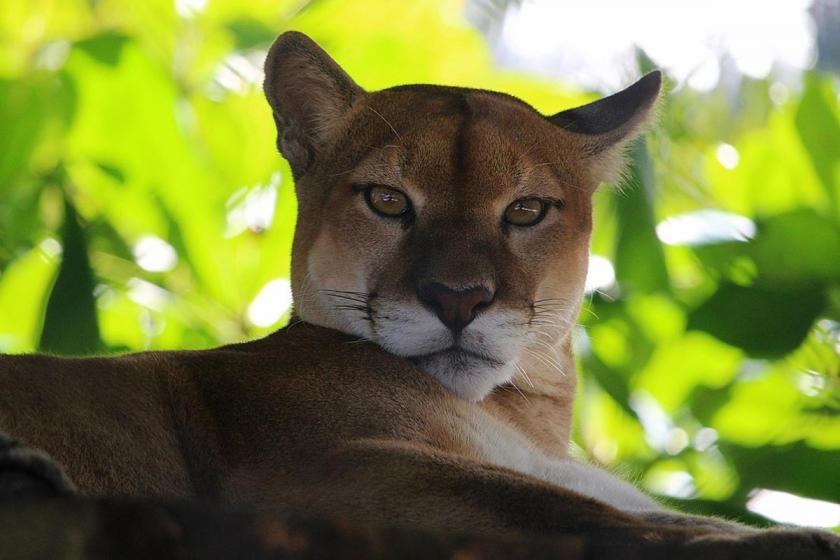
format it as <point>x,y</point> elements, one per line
<point>309,95</point>
<point>605,126</point>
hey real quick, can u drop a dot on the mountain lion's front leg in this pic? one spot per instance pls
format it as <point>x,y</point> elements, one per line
<point>776,542</point>
<point>718,533</point>
<point>30,473</point>
<point>397,483</point>
<point>400,483</point>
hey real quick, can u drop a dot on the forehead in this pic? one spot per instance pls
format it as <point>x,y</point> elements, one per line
<point>469,141</point>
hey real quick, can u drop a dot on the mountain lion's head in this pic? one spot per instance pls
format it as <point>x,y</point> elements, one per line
<point>450,226</point>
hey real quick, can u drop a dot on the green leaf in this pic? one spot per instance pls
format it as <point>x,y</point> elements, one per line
<point>796,248</point>
<point>704,364</point>
<point>639,259</point>
<point>24,286</point>
<point>70,325</point>
<point>728,259</point>
<point>790,250</point>
<point>782,467</point>
<point>112,171</point>
<point>23,116</point>
<point>818,125</point>
<point>612,382</point>
<point>250,33</point>
<point>105,48</point>
<point>764,323</point>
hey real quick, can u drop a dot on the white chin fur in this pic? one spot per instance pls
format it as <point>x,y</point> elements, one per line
<point>409,330</point>
<point>470,378</point>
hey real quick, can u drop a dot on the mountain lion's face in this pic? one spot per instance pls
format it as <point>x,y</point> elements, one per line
<point>450,226</point>
<point>454,239</point>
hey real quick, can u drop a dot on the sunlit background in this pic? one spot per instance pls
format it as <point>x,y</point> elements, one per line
<point>143,205</point>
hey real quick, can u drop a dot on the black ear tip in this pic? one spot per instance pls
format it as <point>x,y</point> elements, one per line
<point>643,93</point>
<point>293,40</point>
<point>649,85</point>
<point>614,111</point>
<point>290,43</point>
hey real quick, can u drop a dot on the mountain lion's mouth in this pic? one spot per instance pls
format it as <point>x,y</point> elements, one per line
<point>457,354</point>
<point>469,374</point>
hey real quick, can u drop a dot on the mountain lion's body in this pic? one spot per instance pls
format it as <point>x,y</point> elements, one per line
<point>427,378</point>
<point>226,425</point>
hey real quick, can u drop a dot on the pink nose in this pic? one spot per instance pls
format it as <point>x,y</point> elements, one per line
<point>455,308</point>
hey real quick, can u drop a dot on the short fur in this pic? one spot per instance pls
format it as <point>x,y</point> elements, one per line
<point>360,408</point>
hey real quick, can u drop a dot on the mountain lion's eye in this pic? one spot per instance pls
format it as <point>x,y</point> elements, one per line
<point>390,203</point>
<point>526,212</point>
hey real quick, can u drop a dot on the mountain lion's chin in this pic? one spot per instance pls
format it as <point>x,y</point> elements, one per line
<point>469,376</point>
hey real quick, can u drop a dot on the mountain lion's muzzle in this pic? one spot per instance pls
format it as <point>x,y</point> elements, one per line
<point>456,308</point>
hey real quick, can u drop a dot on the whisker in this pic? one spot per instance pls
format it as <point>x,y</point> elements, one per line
<point>345,292</point>
<point>350,298</point>
<point>541,359</point>
<point>547,336</point>
<point>549,318</point>
<point>543,321</point>
<point>549,306</point>
<point>553,299</point>
<point>547,361</point>
<point>524,375</point>
<point>352,307</point>
<point>518,390</point>
<point>548,346</point>
<point>394,130</point>
<point>589,310</point>
<point>340,173</point>
<point>358,341</point>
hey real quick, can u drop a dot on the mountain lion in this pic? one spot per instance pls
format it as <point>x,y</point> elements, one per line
<point>426,378</point>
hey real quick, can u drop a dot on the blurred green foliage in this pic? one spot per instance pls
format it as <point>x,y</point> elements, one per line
<point>130,129</point>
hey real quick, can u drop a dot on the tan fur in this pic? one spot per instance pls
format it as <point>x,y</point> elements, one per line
<point>543,409</point>
<point>273,423</point>
<point>316,419</point>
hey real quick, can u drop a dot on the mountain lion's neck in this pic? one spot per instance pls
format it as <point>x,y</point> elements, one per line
<point>539,401</point>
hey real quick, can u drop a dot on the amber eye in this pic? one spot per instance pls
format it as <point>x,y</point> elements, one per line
<point>390,203</point>
<point>526,212</point>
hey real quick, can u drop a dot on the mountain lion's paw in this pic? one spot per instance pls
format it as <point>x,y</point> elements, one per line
<point>779,544</point>
<point>30,473</point>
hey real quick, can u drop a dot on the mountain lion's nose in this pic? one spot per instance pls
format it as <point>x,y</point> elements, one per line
<point>455,308</point>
